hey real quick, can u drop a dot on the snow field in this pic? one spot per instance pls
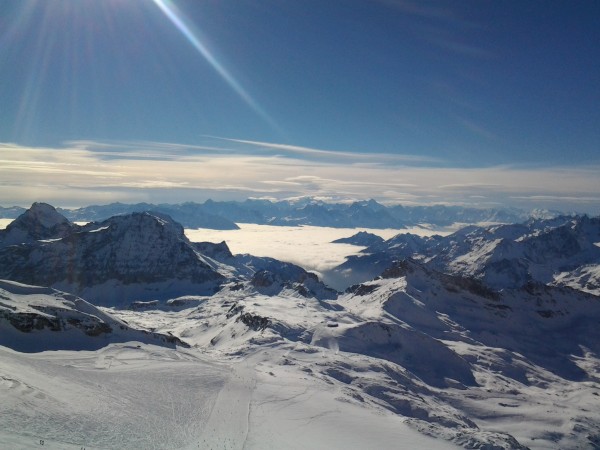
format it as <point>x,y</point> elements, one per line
<point>119,397</point>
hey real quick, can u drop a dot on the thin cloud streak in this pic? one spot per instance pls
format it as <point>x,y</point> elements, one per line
<point>76,175</point>
<point>353,156</point>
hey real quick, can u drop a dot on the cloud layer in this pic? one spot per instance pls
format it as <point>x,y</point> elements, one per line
<point>85,172</point>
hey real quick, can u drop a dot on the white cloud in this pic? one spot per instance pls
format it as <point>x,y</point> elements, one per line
<point>82,173</point>
<point>307,246</point>
<point>354,157</point>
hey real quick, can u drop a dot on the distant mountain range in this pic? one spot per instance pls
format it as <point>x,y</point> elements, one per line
<point>364,214</point>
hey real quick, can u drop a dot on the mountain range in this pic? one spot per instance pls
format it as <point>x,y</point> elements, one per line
<point>487,338</point>
<point>136,256</point>
<point>561,251</point>
<point>224,215</point>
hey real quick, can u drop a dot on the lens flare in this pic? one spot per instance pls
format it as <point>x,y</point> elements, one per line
<point>171,11</point>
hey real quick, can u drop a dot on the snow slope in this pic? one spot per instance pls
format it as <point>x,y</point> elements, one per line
<point>409,357</point>
<point>34,319</point>
<point>141,396</point>
<point>123,396</point>
<point>450,357</point>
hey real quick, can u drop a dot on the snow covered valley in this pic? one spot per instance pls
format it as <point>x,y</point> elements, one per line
<point>200,348</point>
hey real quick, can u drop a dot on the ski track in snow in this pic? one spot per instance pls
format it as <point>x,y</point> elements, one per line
<point>118,397</point>
<point>228,424</point>
<point>125,396</point>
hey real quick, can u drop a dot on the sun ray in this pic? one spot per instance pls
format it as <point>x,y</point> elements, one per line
<point>171,11</point>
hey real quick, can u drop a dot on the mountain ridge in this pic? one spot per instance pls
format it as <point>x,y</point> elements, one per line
<point>225,215</point>
<point>503,256</point>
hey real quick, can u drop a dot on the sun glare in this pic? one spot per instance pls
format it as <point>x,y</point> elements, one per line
<point>193,35</point>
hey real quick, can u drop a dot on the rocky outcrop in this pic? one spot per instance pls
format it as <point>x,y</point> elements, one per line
<point>34,318</point>
<point>40,222</point>
<point>136,249</point>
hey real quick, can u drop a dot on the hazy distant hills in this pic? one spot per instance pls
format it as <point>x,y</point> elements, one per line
<point>190,215</point>
<point>365,214</point>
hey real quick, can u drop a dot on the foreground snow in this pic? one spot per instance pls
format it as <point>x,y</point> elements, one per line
<point>142,396</point>
<point>286,371</point>
<point>312,348</point>
<point>124,396</point>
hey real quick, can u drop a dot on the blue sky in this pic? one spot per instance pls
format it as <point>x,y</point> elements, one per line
<point>470,102</point>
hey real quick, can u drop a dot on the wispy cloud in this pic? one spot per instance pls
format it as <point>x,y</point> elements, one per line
<point>373,158</point>
<point>80,173</point>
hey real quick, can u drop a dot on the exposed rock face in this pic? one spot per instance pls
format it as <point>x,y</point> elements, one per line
<point>34,318</point>
<point>139,248</point>
<point>219,251</point>
<point>41,221</point>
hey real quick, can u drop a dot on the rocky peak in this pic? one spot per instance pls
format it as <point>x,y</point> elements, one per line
<point>136,249</point>
<point>147,226</point>
<point>362,238</point>
<point>401,269</point>
<point>41,221</point>
<point>219,251</point>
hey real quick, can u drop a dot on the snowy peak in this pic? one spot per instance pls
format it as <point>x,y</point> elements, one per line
<point>115,261</point>
<point>139,226</point>
<point>554,251</point>
<point>41,221</point>
<point>43,215</point>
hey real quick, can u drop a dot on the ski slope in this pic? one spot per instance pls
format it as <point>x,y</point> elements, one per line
<point>141,396</point>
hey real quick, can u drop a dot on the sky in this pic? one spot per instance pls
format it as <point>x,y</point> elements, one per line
<point>474,102</point>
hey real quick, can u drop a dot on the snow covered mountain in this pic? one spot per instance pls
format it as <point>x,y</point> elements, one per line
<point>265,275</point>
<point>561,251</point>
<point>223,215</point>
<point>34,319</point>
<point>41,221</point>
<point>136,257</point>
<point>455,359</point>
